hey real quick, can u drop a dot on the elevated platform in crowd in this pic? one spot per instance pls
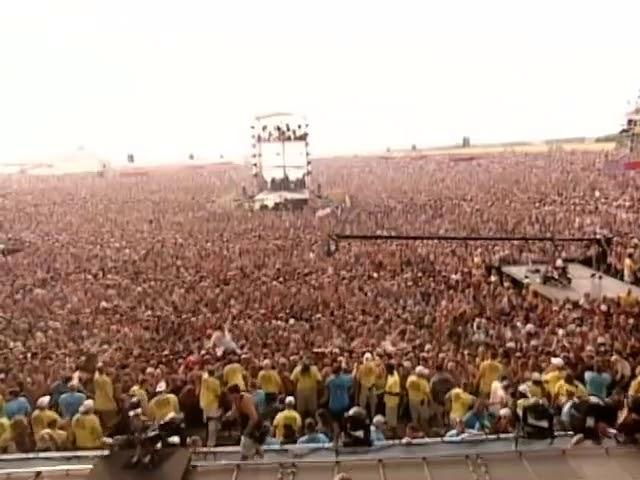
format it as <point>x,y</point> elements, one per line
<point>581,282</point>
<point>489,458</point>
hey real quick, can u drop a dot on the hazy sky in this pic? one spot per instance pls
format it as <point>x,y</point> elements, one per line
<point>165,78</point>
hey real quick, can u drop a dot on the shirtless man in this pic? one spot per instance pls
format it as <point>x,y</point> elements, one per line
<point>251,425</point>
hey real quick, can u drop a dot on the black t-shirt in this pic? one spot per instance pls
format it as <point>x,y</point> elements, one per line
<point>586,414</point>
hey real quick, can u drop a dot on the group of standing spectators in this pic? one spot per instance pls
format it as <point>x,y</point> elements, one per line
<point>126,284</point>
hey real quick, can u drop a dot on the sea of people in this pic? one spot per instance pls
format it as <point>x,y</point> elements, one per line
<point>154,297</point>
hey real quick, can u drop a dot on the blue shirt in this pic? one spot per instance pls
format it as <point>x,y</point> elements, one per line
<point>57,391</point>
<point>376,435</point>
<point>597,383</point>
<point>313,438</point>
<point>70,402</point>
<point>475,421</point>
<point>260,401</point>
<point>17,406</point>
<point>339,386</point>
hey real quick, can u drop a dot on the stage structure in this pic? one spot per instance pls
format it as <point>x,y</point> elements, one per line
<point>280,162</point>
<point>584,281</point>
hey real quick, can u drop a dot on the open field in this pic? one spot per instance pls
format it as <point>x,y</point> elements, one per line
<point>541,147</point>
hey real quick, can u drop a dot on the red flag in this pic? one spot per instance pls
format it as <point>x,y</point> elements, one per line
<point>628,166</point>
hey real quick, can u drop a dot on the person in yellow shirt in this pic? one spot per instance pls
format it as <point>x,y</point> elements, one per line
<point>86,431</point>
<point>392,397</point>
<point>270,383</point>
<point>42,415</point>
<point>306,378</point>
<point>287,417</point>
<point>52,438</point>
<point>235,374</point>
<point>554,374</point>
<point>105,403</point>
<point>628,299</point>
<point>163,404</point>
<point>210,392</point>
<point>419,394</point>
<point>366,375</point>
<point>634,388</point>
<point>535,386</point>
<point>381,378</point>
<point>459,402</point>
<point>140,394</point>
<point>568,388</point>
<point>5,433</point>
<point>488,372</point>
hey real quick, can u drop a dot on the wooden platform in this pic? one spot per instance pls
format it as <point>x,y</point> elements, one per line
<point>581,282</point>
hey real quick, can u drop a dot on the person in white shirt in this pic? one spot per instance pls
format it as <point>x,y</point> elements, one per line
<point>629,268</point>
<point>498,398</point>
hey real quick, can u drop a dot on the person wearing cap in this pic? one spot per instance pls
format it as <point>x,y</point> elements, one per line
<point>419,394</point>
<point>42,415</point>
<point>86,431</point>
<point>535,386</point>
<point>306,378</point>
<point>70,402</point>
<point>16,404</point>
<point>163,404</point>
<point>504,422</point>
<point>311,436</point>
<point>378,427</point>
<point>554,373</point>
<point>366,374</point>
<point>105,403</point>
<point>269,381</point>
<point>287,417</point>
<point>209,398</point>
<point>392,397</point>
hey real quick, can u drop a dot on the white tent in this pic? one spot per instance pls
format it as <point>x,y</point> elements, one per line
<point>78,161</point>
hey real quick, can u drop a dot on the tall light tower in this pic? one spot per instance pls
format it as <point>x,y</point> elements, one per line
<point>633,127</point>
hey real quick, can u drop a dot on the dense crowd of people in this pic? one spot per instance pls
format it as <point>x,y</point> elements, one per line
<point>154,291</point>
